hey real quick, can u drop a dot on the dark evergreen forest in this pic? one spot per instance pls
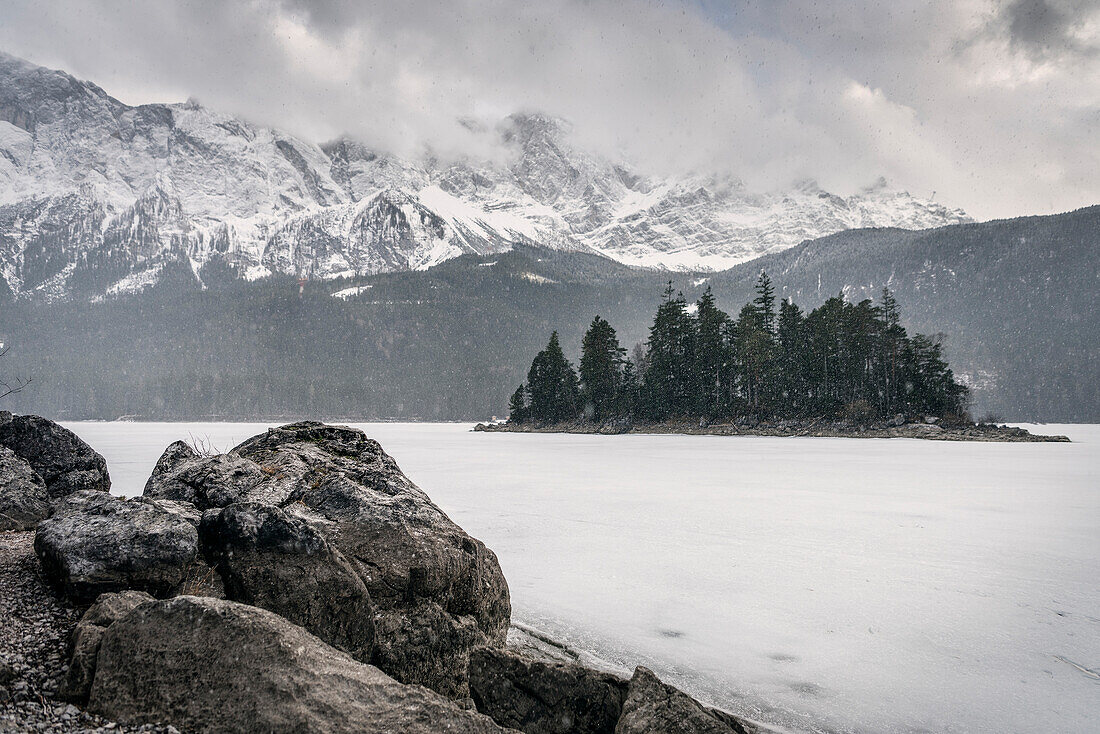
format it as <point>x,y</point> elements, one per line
<point>841,360</point>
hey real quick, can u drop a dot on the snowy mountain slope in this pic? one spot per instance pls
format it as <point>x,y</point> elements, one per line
<point>714,225</point>
<point>96,197</point>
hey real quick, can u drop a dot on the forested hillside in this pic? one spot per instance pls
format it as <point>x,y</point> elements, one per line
<point>441,344</point>
<point>1016,300</point>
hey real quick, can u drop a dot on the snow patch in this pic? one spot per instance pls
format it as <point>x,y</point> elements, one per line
<point>499,223</point>
<point>352,292</point>
<point>256,272</point>
<point>536,278</point>
<point>16,144</point>
<point>135,282</point>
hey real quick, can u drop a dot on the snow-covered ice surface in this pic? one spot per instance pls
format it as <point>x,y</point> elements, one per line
<point>820,584</point>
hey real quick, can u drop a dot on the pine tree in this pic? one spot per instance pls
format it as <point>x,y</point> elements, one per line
<point>890,312</point>
<point>791,367</point>
<point>860,337</point>
<point>669,385</point>
<point>552,385</point>
<point>517,405</point>
<point>765,302</point>
<point>626,399</point>
<point>824,326</point>
<point>752,348</point>
<point>930,386</point>
<point>711,355</point>
<point>600,369</point>
<point>890,340</point>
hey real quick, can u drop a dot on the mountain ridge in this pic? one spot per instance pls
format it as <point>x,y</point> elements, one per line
<point>259,201</point>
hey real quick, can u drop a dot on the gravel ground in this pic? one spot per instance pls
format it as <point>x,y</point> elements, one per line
<point>35,626</point>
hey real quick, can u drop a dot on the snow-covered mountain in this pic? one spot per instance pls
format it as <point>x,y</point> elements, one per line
<point>98,197</point>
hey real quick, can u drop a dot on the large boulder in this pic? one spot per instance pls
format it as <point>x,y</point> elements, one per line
<point>65,463</point>
<point>23,497</point>
<point>208,665</point>
<point>437,592</point>
<point>207,481</point>
<point>653,706</point>
<point>540,697</point>
<point>172,457</point>
<point>108,609</point>
<point>269,558</point>
<point>96,543</point>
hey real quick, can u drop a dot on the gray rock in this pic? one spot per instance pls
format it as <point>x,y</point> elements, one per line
<point>96,543</point>
<point>23,497</point>
<point>212,665</point>
<point>421,642</point>
<point>7,673</point>
<point>204,481</point>
<point>539,697</point>
<point>183,510</point>
<point>538,646</point>
<point>921,430</point>
<point>170,460</point>
<point>65,463</point>
<point>438,591</point>
<point>269,558</point>
<point>107,609</point>
<point>653,706</point>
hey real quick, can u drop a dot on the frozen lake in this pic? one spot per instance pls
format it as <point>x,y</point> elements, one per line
<point>862,585</point>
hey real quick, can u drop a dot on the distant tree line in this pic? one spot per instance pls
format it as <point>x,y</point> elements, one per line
<point>841,360</point>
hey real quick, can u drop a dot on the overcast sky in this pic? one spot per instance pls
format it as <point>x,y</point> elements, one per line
<point>994,105</point>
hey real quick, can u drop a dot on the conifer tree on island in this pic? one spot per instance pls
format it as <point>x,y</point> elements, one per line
<point>600,370</point>
<point>765,301</point>
<point>712,357</point>
<point>517,405</point>
<point>552,386</point>
<point>840,361</point>
<point>792,357</point>
<point>670,380</point>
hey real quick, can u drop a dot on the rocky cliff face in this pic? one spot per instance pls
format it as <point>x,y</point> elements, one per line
<point>99,198</point>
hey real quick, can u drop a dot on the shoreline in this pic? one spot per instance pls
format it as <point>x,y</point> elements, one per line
<point>788,429</point>
<point>33,651</point>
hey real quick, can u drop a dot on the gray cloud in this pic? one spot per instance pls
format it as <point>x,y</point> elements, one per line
<point>994,106</point>
<point>1045,27</point>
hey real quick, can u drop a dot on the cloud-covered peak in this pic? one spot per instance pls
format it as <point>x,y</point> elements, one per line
<point>928,94</point>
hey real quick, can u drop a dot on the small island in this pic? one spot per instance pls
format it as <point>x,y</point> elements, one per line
<point>843,369</point>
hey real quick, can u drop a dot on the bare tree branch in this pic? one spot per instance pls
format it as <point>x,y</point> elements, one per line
<point>16,385</point>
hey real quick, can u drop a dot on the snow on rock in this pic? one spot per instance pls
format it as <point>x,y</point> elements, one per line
<point>256,272</point>
<point>352,292</point>
<point>135,282</point>
<point>85,178</point>
<point>536,278</point>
